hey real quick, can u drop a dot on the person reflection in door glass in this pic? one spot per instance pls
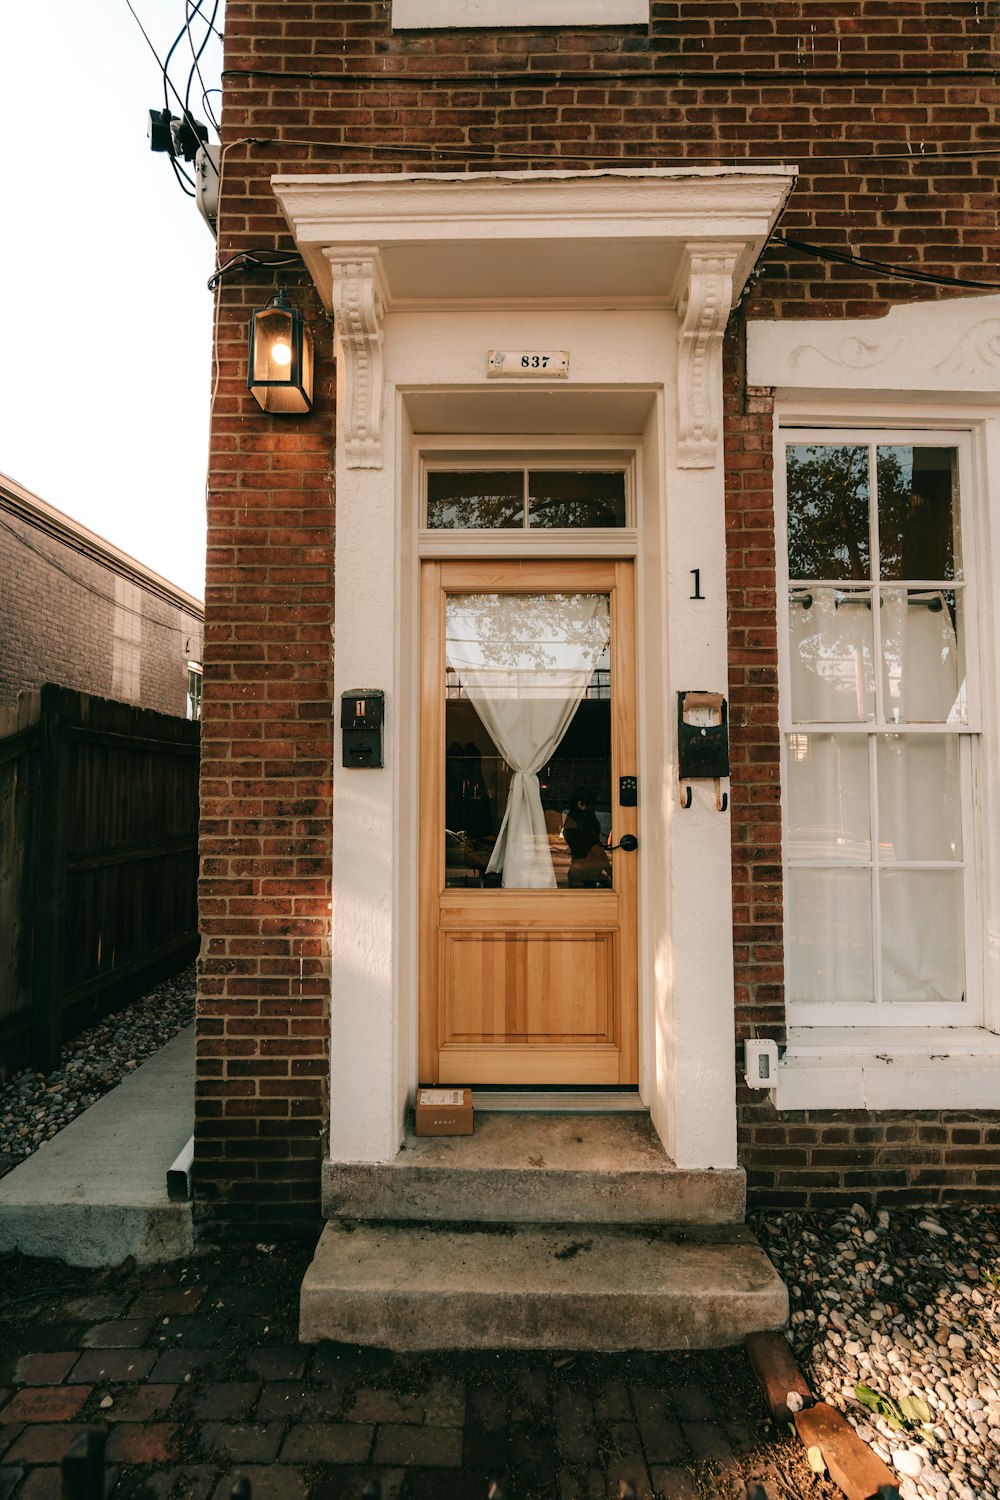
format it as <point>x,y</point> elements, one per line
<point>589,863</point>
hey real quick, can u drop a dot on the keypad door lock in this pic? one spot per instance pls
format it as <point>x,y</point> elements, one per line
<point>628,791</point>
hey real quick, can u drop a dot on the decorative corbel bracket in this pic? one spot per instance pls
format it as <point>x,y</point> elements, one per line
<point>704,293</point>
<point>358,309</point>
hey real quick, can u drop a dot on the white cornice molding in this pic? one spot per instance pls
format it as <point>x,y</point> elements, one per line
<point>704,302</point>
<point>949,348</point>
<point>358,310</point>
<point>625,207</point>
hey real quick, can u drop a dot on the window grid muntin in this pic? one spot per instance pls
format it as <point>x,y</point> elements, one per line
<point>880,1010</point>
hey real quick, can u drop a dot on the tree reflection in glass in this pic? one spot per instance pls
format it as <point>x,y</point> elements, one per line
<point>828,512</point>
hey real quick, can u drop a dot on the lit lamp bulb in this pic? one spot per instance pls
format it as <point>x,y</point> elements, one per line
<point>281,354</point>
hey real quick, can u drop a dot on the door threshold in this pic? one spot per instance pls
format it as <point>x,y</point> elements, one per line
<point>559,1101</point>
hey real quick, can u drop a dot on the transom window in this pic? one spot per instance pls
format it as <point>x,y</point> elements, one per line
<point>878,708</point>
<point>525,499</point>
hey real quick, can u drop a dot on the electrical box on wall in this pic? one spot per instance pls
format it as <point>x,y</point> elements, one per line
<point>362,714</point>
<point>760,1063</point>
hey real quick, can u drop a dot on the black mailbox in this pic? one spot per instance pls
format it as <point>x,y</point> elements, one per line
<point>362,713</point>
<point>702,735</point>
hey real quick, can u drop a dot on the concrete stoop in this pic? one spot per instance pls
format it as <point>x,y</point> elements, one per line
<point>538,1232</point>
<point>408,1286</point>
<point>536,1169</point>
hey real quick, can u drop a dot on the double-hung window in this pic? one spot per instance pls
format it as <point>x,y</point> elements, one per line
<point>879,721</point>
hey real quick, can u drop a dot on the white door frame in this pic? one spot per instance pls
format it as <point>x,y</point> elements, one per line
<point>425,275</point>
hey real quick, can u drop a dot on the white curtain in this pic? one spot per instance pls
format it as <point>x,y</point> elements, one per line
<point>919,798</point>
<point>525,661</point>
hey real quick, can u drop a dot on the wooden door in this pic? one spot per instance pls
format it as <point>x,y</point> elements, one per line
<point>527,936</point>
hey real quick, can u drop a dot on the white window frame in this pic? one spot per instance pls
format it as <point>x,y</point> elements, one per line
<point>879,1016</point>
<point>556,453</point>
<point>448,15</point>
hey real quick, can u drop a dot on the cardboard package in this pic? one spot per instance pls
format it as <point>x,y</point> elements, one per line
<point>443,1111</point>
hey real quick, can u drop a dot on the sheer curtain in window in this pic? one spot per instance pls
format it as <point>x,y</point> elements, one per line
<point>525,662</point>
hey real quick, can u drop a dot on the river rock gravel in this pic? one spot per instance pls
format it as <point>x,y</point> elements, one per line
<point>35,1106</point>
<point>905,1304</point>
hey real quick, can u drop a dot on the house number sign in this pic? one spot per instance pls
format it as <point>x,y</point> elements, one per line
<point>522,364</point>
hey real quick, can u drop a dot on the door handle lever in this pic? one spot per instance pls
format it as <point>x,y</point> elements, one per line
<point>628,842</point>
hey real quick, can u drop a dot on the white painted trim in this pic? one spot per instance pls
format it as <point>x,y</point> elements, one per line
<point>358,288</point>
<point>649,213</point>
<point>842,427</point>
<point>949,350</point>
<point>449,15</point>
<point>932,367</point>
<point>829,1067</point>
<point>675,226</point>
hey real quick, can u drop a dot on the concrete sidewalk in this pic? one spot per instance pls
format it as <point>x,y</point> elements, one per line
<point>97,1192</point>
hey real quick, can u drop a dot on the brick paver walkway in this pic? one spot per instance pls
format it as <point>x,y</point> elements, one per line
<point>195,1371</point>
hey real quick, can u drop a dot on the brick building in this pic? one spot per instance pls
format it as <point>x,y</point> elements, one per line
<point>77,611</point>
<point>656,353</point>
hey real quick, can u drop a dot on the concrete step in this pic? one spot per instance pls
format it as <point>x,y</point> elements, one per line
<point>97,1192</point>
<point>536,1169</point>
<point>412,1287</point>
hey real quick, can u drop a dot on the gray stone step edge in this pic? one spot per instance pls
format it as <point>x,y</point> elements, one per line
<point>501,1195</point>
<point>411,1287</point>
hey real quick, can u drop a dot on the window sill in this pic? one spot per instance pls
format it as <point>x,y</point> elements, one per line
<point>912,1068</point>
<point>441,15</point>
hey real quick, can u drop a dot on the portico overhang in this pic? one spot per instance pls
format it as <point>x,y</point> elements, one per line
<point>684,239</point>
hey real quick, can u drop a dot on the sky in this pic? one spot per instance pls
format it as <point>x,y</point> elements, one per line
<point>103,264</point>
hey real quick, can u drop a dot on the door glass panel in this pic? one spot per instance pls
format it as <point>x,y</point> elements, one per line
<point>527,741</point>
<point>483,500</point>
<point>575,499</point>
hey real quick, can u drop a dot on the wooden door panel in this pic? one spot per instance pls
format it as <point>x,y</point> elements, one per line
<point>525,986</point>
<point>554,987</point>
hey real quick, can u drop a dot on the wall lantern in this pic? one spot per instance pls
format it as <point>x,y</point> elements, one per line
<point>281,357</point>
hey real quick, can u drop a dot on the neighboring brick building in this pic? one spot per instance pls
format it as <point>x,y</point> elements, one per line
<point>76,611</point>
<point>794,451</point>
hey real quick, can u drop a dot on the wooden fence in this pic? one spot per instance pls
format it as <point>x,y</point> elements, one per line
<point>98,863</point>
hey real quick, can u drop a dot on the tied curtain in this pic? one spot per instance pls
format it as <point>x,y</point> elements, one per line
<point>525,662</point>
<point>918,805</point>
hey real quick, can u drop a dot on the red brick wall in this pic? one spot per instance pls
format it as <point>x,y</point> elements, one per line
<point>814,1158</point>
<point>856,94</point>
<point>267,746</point>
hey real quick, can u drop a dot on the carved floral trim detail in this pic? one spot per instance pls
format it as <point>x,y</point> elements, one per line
<point>705,300</point>
<point>358,310</point>
<point>848,354</point>
<point>977,350</point>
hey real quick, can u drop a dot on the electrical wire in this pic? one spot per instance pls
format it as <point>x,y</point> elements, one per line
<point>863,263</point>
<point>373,148</point>
<point>522,76</point>
<point>167,81</point>
<point>182,177</point>
<point>196,55</point>
<point>248,260</point>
